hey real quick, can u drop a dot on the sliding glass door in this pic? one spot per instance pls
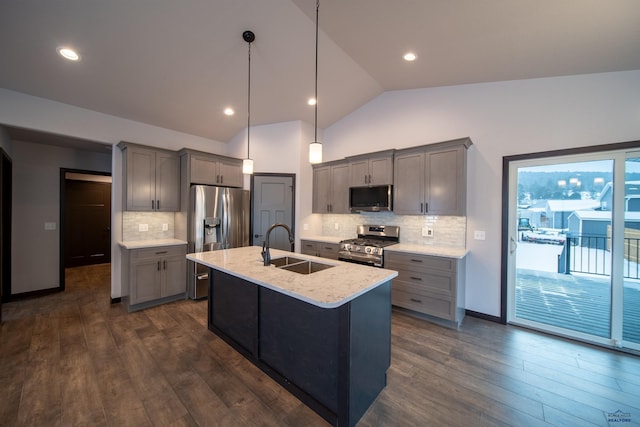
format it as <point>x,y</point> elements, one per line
<point>574,238</point>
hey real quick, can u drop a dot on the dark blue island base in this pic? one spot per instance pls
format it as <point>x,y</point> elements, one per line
<point>334,360</point>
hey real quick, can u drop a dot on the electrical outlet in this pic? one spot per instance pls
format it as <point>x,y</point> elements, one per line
<point>479,235</point>
<point>305,226</point>
<point>427,231</point>
<point>143,227</point>
<point>336,226</point>
<point>165,227</point>
<point>50,225</point>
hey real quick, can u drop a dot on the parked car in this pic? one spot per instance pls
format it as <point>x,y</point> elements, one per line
<point>544,236</point>
<point>524,224</point>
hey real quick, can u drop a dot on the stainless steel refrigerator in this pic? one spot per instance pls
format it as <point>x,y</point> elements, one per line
<point>218,219</point>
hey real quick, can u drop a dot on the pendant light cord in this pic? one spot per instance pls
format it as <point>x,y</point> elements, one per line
<point>315,135</point>
<point>249,102</point>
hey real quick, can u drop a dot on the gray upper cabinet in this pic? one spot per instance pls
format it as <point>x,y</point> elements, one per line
<point>152,179</point>
<point>331,187</point>
<point>371,169</point>
<point>431,180</point>
<point>209,169</point>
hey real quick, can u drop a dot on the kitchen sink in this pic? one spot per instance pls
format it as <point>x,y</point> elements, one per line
<point>298,265</point>
<point>285,260</point>
<point>306,267</point>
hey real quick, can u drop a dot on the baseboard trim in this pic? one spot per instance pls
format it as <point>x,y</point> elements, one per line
<point>484,316</point>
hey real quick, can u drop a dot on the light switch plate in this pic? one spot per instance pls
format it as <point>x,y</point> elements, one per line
<point>305,226</point>
<point>50,225</point>
<point>165,227</point>
<point>479,235</point>
<point>143,227</point>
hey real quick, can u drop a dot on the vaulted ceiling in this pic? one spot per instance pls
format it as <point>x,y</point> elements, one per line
<point>178,64</point>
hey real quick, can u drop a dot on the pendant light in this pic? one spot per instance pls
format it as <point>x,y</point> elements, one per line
<point>315,148</point>
<point>247,164</point>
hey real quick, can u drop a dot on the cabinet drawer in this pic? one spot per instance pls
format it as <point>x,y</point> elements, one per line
<point>159,251</point>
<point>443,283</point>
<point>395,260</point>
<point>432,304</point>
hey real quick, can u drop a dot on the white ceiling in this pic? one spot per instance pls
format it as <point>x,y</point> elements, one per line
<point>177,64</point>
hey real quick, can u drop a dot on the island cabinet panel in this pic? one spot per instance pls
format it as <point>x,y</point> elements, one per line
<point>428,284</point>
<point>333,359</point>
<point>234,309</point>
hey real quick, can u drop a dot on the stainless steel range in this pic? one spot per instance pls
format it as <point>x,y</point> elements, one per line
<point>367,248</point>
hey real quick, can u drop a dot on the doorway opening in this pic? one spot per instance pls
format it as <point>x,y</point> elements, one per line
<point>571,243</point>
<point>85,219</point>
<point>272,202</point>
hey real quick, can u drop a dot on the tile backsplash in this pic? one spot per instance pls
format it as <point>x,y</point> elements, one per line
<point>447,230</point>
<point>154,220</point>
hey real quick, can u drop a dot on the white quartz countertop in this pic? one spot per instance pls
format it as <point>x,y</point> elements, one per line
<point>327,288</point>
<point>443,251</point>
<point>139,244</point>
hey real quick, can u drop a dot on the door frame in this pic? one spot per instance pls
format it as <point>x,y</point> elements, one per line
<point>506,184</point>
<point>6,169</point>
<point>293,200</point>
<point>63,195</point>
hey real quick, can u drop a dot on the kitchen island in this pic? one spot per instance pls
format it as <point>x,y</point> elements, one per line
<point>324,336</point>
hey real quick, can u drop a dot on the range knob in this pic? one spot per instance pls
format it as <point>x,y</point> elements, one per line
<point>368,250</point>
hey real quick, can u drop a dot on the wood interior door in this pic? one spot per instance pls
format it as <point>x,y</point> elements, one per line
<point>87,231</point>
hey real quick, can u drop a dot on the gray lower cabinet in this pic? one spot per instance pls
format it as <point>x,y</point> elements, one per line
<point>321,249</point>
<point>152,179</point>
<point>431,180</point>
<point>428,284</point>
<point>156,275</point>
<point>331,187</point>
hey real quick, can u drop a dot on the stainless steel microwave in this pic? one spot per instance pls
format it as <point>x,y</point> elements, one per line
<point>371,199</point>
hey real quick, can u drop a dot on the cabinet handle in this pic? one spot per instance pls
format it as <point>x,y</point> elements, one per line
<point>158,265</point>
<point>369,179</point>
<point>161,252</point>
<point>416,300</point>
<point>217,179</point>
<point>416,278</point>
<point>221,179</point>
<point>158,204</point>
<point>164,264</point>
<point>416,260</point>
<point>426,207</point>
<point>421,207</point>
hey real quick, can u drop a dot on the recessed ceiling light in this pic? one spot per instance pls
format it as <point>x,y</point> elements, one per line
<point>410,56</point>
<point>311,101</point>
<point>69,53</point>
<point>229,111</point>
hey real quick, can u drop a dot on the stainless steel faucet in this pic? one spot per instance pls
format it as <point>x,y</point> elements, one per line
<point>266,256</point>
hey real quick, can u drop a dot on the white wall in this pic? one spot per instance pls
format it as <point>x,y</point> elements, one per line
<point>35,253</point>
<point>504,118</point>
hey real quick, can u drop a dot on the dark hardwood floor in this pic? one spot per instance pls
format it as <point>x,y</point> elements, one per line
<point>75,359</point>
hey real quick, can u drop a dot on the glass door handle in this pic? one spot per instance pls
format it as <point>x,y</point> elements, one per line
<point>513,246</point>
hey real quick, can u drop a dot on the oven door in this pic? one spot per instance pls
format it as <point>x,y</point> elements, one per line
<point>359,258</point>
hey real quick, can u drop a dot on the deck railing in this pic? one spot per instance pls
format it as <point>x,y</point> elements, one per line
<point>592,254</point>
